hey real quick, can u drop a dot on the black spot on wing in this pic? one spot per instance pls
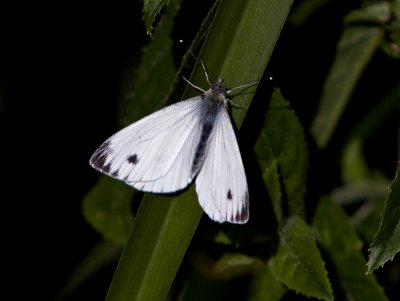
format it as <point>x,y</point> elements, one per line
<point>115,173</point>
<point>133,159</point>
<point>229,195</point>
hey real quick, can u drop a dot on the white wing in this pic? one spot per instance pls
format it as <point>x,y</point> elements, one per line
<point>155,154</point>
<point>221,184</point>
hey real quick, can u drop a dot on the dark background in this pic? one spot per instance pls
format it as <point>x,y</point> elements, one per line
<point>65,68</point>
<point>62,65</point>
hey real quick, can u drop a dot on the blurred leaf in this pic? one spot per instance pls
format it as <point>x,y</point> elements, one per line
<point>99,257</point>
<point>217,280</point>
<point>230,266</point>
<point>304,11</point>
<point>369,196</point>
<point>164,226</point>
<point>391,45</point>
<point>367,217</point>
<point>370,125</point>
<point>265,287</point>
<point>355,49</point>
<point>107,208</point>
<point>282,153</point>
<point>379,12</point>
<point>359,191</point>
<point>298,263</point>
<point>340,241</point>
<point>150,9</point>
<point>354,167</point>
<point>387,239</point>
<point>222,238</point>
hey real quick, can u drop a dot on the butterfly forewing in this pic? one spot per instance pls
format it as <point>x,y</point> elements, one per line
<point>155,154</point>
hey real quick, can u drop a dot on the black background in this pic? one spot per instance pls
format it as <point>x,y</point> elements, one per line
<point>61,70</point>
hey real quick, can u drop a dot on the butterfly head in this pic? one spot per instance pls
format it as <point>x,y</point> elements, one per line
<point>218,86</point>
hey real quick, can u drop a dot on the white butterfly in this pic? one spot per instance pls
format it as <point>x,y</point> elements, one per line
<point>165,151</point>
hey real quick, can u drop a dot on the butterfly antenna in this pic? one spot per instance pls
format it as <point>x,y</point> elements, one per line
<point>194,86</point>
<point>208,77</point>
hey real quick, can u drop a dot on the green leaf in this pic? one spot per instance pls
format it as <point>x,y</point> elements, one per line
<point>387,239</point>
<point>281,150</point>
<point>379,12</point>
<point>372,122</point>
<point>150,9</point>
<point>367,189</point>
<point>298,263</point>
<point>215,280</point>
<point>354,167</point>
<point>107,208</point>
<point>164,226</point>
<point>265,287</point>
<point>230,266</point>
<point>339,239</point>
<point>355,49</point>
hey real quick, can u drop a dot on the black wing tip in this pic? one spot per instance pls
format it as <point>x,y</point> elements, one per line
<point>99,158</point>
<point>242,216</point>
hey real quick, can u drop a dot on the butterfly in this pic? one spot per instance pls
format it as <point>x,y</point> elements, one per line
<point>190,140</point>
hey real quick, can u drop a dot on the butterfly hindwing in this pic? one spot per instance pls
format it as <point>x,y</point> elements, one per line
<point>155,153</point>
<point>221,184</point>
